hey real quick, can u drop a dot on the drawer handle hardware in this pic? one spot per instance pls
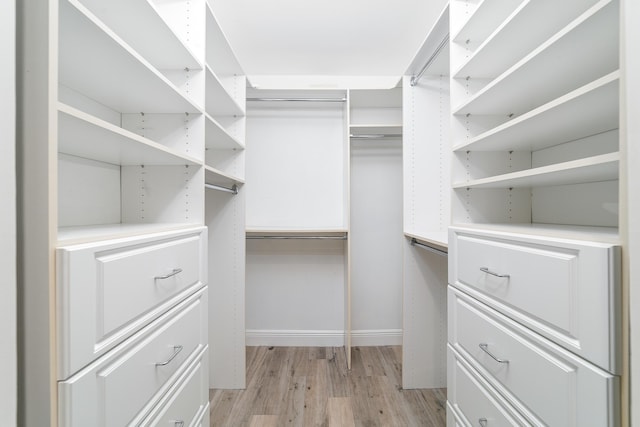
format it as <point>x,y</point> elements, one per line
<point>484,347</point>
<point>173,273</point>
<point>176,349</point>
<point>178,423</point>
<point>486,270</point>
<point>483,422</point>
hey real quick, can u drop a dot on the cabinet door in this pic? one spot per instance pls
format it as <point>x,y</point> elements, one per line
<point>108,290</point>
<point>567,291</point>
<point>540,379</point>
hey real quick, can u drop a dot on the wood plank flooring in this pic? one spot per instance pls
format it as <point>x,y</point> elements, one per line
<point>311,386</point>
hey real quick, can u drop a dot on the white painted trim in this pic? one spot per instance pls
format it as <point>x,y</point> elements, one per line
<point>321,338</point>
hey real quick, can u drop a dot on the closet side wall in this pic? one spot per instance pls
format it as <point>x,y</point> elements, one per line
<point>8,354</point>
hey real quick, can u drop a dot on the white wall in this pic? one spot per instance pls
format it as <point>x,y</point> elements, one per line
<point>8,351</point>
<point>376,242</point>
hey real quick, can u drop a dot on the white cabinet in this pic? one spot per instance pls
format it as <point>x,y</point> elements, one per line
<point>535,205</point>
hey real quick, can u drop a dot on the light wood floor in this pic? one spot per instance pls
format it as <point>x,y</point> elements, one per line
<point>310,386</point>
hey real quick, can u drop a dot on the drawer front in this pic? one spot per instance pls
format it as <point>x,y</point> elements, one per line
<point>125,384</point>
<point>566,291</point>
<point>541,380</point>
<point>186,401</point>
<point>108,291</point>
<point>474,400</point>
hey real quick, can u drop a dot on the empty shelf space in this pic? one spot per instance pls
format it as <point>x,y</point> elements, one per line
<point>219,54</point>
<point>126,17</point>
<point>84,135</point>
<point>93,233</point>
<point>592,169</point>
<point>97,63</point>
<point>219,102</point>
<point>295,233</point>
<point>220,178</point>
<point>589,110</point>
<point>218,138</point>
<point>376,131</point>
<point>436,239</point>
<point>532,23</point>
<point>580,53</point>
<point>488,15</point>
<point>608,235</point>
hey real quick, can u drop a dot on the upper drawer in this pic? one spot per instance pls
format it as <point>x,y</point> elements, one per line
<point>122,387</point>
<point>568,291</point>
<point>548,384</point>
<point>108,290</point>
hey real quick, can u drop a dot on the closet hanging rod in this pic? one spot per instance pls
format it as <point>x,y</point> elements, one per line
<point>377,136</point>
<point>296,237</point>
<point>415,79</point>
<point>232,190</point>
<point>440,252</point>
<point>299,99</point>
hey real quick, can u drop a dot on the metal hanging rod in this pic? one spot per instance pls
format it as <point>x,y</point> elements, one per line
<point>296,237</point>
<point>377,136</point>
<point>440,252</point>
<point>232,190</point>
<point>299,99</point>
<point>415,79</point>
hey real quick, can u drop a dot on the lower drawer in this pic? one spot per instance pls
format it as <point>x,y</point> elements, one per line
<point>544,382</point>
<point>474,400</point>
<point>125,384</point>
<point>185,403</point>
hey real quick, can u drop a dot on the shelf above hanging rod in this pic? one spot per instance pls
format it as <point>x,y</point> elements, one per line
<point>414,242</point>
<point>298,99</point>
<point>232,190</point>
<point>274,237</point>
<point>415,79</point>
<point>376,136</point>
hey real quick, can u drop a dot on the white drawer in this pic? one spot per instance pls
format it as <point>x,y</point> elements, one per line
<point>546,383</point>
<point>184,404</point>
<point>108,290</point>
<point>124,385</point>
<point>474,400</point>
<point>568,291</point>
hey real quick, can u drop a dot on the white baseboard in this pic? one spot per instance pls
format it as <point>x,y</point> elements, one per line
<point>321,338</point>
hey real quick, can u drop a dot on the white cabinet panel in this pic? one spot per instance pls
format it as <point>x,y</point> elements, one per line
<point>108,290</point>
<point>565,290</point>
<point>122,386</point>
<point>546,383</point>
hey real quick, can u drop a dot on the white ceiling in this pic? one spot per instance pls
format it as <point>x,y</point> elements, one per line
<point>326,37</point>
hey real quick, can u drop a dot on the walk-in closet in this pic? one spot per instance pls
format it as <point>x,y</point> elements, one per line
<point>236,213</point>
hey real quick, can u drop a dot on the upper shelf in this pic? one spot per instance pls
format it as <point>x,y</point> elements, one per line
<point>94,61</point>
<point>217,137</point>
<point>370,130</point>
<point>579,54</point>
<point>218,101</point>
<point>219,54</point>
<point>487,16</point>
<point>83,135</point>
<point>127,17</point>
<point>436,239</point>
<point>589,110</point>
<point>533,22</point>
<point>592,169</point>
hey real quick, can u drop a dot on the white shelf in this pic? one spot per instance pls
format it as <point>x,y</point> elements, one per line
<point>592,169</point>
<point>607,235</point>
<point>580,53</point>
<point>217,137</point>
<point>586,111</point>
<point>487,16</point>
<point>435,239</point>
<point>219,54</point>
<point>83,135</point>
<point>303,232</point>
<point>93,233</point>
<point>127,17</point>
<point>218,101</point>
<point>376,129</point>
<point>533,22</point>
<point>97,63</point>
<point>217,177</point>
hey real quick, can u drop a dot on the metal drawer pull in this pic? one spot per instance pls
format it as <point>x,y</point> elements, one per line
<point>176,349</point>
<point>486,270</point>
<point>178,423</point>
<point>482,422</point>
<point>484,347</point>
<point>173,273</point>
